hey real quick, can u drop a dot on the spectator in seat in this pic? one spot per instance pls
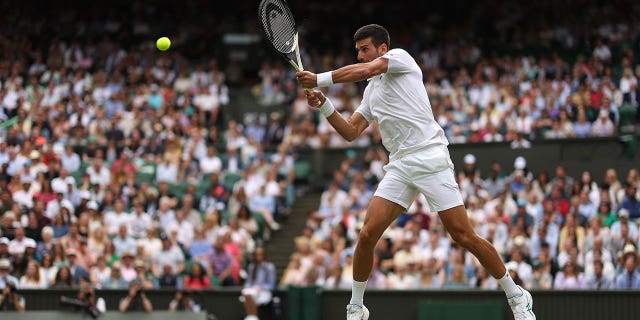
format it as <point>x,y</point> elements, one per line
<point>77,271</point>
<point>629,278</point>
<point>265,205</point>
<point>598,280</point>
<point>10,300</point>
<point>569,278</point>
<point>136,300</point>
<point>221,263</point>
<point>197,278</point>
<point>261,281</point>
<point>630,202</point>
<point>183,301</point>
<point>170,255</point>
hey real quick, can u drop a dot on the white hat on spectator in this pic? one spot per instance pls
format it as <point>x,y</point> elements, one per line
<point>58,149</point>
<point>5,264</point>
<point>10,215</point>
<point>519,241</point>
<point>34,154</point>
<point>71,252</point>
<point>628,248</point>
<point>469,159</point>
<point>401,259</point>
<point>29,243</point>
<point>138,263</point>
<point>85,194</point>
<point>275,115</point>
<point>69,206</point>
<point>92,205</point>
<point>193,181</point>
<point>512,265</point>
<point>70,180</point>
<point>604,114</point>
<point>152,192</point>
<point>58,188</point>
<point>4,240</point>
<point>484,194</point>
<point>407,236</point>
<point>165,199</point>
<point>623,213</point>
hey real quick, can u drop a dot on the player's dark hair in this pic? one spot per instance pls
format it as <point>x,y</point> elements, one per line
<point>376,32</point>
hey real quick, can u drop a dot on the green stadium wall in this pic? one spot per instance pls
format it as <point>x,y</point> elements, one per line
<point>384,304</point>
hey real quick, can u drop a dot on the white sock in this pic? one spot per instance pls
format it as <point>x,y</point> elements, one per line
<point>509,287</point>
<point>357,292</point>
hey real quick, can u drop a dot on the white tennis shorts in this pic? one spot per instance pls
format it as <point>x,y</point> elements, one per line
<point>428,171</point>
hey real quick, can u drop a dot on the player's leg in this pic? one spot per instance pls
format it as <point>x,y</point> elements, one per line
<point>380,214</point>
<point>444,196</point>
<point>391,198</point>
<point>457,223</point>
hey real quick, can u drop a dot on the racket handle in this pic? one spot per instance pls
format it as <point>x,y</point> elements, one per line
<point>299,68</point>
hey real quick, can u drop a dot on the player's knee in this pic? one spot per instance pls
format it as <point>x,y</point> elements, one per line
<point>366,238</point>
<point>465,239</point>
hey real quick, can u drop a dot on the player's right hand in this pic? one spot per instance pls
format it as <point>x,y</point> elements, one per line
<point>315,98</point>
<point>307,79</point>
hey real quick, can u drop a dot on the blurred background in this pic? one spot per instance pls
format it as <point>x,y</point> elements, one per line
<point>197,180</point>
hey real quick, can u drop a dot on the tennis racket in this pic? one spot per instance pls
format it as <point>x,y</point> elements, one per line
<point>280,28</point>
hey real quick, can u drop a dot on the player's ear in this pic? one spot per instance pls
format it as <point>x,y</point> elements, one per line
<point>383,48</point>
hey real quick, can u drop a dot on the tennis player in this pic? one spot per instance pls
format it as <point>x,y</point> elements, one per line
<point>419,159</point>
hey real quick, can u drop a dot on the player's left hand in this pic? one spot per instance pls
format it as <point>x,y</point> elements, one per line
<point>315,98</point>
<point>307,79</point>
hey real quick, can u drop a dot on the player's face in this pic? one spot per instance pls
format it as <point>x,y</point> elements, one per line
<point>367,51</point>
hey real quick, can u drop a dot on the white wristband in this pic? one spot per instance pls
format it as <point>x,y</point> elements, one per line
<point>325,79</point>
<point>327,108</point>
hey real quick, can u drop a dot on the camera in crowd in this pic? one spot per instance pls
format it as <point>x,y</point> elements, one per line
<point>92,311</point>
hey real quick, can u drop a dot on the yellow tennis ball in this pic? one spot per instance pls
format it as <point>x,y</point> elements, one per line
<point>163,43</point>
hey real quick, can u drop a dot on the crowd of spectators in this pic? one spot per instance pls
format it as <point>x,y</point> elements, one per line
<point>117,170</point>
<point>554,231</point>
<point>557,80</point>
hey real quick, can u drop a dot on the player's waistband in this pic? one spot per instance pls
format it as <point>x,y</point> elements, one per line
<point>415,149</point>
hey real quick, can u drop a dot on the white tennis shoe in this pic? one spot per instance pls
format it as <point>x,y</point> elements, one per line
<point>522,306</point>
<point>356,312</point>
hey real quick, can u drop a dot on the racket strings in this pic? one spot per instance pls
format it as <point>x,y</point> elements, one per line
<point>278,24</point>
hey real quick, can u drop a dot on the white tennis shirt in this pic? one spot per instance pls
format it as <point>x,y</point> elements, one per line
<point>398,100</point>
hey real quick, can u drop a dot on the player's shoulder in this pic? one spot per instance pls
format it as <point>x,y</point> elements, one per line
<point>398,52</point>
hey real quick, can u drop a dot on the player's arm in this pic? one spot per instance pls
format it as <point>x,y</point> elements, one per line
<point>350,129</point>
<point>360,71</point>
<point>351,73</point>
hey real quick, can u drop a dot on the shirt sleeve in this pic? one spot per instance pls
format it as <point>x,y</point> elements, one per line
<point>399,61</point>
<point>364,109</point>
